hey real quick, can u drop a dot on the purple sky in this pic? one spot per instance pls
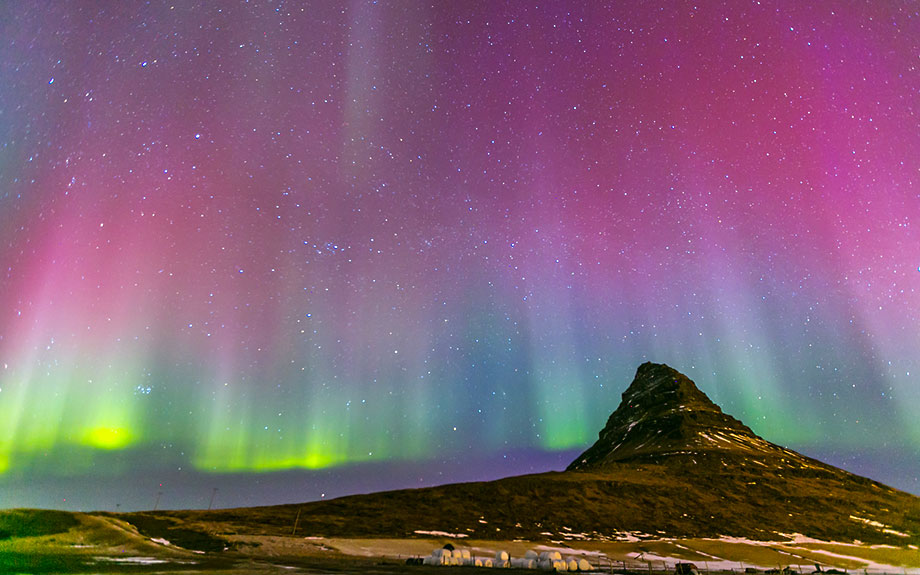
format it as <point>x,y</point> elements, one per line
<point>247,241</point>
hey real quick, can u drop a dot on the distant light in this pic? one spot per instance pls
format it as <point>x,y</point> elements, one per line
<point>197,136</point>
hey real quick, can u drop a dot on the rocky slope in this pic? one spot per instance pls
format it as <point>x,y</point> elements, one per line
<point>664,417</point>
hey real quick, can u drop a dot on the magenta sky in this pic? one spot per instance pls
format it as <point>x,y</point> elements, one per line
<point>266,238</point>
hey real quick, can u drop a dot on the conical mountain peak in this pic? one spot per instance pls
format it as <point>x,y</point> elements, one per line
<point>664,413</point>
<point>658,387</point>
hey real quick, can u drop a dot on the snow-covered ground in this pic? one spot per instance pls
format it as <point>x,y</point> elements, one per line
<point>811,546</point>
<point>442,534</point>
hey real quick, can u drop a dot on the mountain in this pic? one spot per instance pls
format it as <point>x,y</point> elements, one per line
<point>663,416</point>
<point>669,463</point>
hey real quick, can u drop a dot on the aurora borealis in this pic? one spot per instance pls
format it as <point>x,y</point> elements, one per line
<point>339,239</point>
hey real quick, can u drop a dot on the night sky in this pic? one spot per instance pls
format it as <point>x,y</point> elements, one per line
<point>293,250</point>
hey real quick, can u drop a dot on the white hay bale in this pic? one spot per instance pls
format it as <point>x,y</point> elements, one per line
<point>583,565</point>
<point>501,555</point>
<point>457,553</point>
<point>551,555</point>
<point>465,554</point>
<point>571,564</point>
<point>531,554</point>
<point>523,563</point>
<point>486,562</point>
<point>545,564</point>
<point>477,562</point>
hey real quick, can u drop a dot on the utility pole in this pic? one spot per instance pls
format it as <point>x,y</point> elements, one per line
<point>156,505</point>
<point>211,502</point>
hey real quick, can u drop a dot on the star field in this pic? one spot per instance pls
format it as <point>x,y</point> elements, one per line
<point>267,239</point>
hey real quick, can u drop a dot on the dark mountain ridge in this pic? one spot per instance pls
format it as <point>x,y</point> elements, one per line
<point>664,415</point>
<point>669,463</point>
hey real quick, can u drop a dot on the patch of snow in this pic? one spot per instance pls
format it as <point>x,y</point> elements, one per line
<point>630,536</point>
<point>868,521</point>
<point>795,540</point>
<point>697,551</point>
<point>581,536</point>
<point>132,560</point>
<point>642,556</point>
<point>160,541</point>
<point>789,538</point>
<point>441,534</point>
<point>799,539</point>
<point>866,563</point>
<point>880,526</point>
<point>568,551</point>
<point>739,540</point>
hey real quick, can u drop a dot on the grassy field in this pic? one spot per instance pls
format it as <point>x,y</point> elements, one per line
<point>37,541</point>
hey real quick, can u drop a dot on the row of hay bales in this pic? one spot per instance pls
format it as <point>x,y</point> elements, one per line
<point>546,560</point>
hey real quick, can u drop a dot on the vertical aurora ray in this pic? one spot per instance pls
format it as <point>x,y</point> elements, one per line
<point>559,383</point>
